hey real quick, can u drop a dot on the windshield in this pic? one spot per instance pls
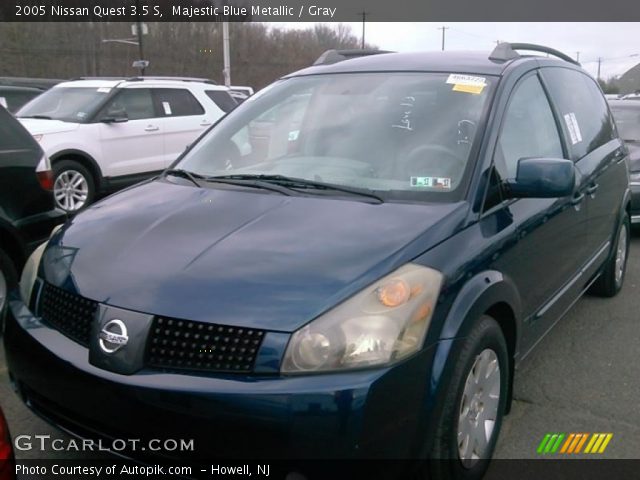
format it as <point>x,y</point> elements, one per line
<point>628,122</point>
<point>405,136</point>
<point>69,104</point>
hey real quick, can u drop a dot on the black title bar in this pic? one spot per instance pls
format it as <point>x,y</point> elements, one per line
<point>315,10</point>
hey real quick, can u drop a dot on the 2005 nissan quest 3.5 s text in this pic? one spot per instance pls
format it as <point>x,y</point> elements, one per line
<point>348,265</point>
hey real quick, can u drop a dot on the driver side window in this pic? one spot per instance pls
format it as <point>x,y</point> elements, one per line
<point>528,130</point>
<point>134,103</point>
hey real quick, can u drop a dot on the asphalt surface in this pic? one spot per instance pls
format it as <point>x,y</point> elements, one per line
<point>584,376</point>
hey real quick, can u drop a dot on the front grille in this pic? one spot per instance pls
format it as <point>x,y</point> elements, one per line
<point>68,313</point>
<point>185,345</point>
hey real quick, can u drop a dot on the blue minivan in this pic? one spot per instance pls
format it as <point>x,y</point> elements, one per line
<point>348,265</point>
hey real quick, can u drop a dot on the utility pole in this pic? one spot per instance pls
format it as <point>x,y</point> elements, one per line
<point>578,57</point>
<point>139,32</point>
<point>599,62</point>
<point>225,53</point>
<point>443,28</point>
<point>364,19</point>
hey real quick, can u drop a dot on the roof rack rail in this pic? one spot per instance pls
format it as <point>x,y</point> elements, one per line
<point>335,56</point>
<point>507,51</point>
<point>176,79</point>
<point>97,78</point>
<point>138,78</point>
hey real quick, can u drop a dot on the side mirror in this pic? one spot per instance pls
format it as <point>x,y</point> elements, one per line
<point>115,116</point>
<point>542,178</point>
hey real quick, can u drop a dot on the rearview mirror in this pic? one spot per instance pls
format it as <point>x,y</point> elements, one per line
<point>542,178</point>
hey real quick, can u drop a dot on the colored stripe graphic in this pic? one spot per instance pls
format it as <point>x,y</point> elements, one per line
<point>550,443</point>
<point>573,443</point>
<point>598,443</point>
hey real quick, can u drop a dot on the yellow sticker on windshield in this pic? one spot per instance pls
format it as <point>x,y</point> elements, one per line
<point>475,89</point>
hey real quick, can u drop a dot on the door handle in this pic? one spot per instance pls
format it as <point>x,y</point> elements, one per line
<point>205,123</point>
<point>151,128</point>
<point>577,199</point>
<point>592,189</point>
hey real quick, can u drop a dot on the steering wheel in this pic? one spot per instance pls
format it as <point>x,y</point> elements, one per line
<point>434,161</point>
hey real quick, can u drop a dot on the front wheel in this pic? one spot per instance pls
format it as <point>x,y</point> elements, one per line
<point>612,278</point>
<point>73,187</point>
<point>474,405</point>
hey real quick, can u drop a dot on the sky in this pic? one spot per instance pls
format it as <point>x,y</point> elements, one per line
<point>616,43</point>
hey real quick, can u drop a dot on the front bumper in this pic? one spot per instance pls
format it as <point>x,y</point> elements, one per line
<point>378,413</point>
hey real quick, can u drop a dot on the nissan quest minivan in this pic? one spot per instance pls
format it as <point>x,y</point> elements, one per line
<point>348,265</point>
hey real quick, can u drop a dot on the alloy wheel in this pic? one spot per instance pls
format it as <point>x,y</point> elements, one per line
<point>479,408</point>
<point>71,190</point>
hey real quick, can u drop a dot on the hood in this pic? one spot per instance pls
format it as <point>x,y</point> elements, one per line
<point>237,257</point>
<point>37,126</point>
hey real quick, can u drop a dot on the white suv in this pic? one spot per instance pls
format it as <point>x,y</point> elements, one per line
<point>105,134</point>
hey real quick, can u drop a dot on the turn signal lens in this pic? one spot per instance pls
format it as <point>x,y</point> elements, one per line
<point>394,293</point>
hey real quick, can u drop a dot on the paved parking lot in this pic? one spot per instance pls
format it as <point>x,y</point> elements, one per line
<point>583,377</point>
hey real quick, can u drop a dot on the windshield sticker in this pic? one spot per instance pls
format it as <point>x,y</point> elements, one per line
<point>3,102</point>
<point>431,182</point>
<point>467,83</point>
<point>167,108</point>
<point>574,129</point>
<point>475,89</point>
<point>104,90</point>
<point>81,114</point>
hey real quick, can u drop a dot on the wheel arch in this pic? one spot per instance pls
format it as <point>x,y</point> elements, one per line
<point>85,160</point>
<point>488,293</point>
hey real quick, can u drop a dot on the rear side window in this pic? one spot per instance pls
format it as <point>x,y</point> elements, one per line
<point>584,113</point>
<point>528,129</point>
<point>176,102</point>
<point>222,99</point>
<point>12,135</point>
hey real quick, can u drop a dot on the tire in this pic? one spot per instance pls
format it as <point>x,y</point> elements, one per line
<point>463,412</point>
<point>8,281</point>
<point>610,282</point>
<point>73,186</point>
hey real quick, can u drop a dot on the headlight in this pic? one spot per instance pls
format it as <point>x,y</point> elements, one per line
<point>634,178</point>
<point>385,322</point>
<point>30,270</point>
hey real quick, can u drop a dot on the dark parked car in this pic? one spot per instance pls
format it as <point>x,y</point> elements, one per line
<point>12,98</point>
<point>361,286</point>
<point>27,212</point>
<point>627,116</point>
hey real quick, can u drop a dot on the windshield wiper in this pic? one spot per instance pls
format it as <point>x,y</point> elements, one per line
<point>295,183</point>
<point>184,174</point>
<point>249,181</point>
<point>39,117</point>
